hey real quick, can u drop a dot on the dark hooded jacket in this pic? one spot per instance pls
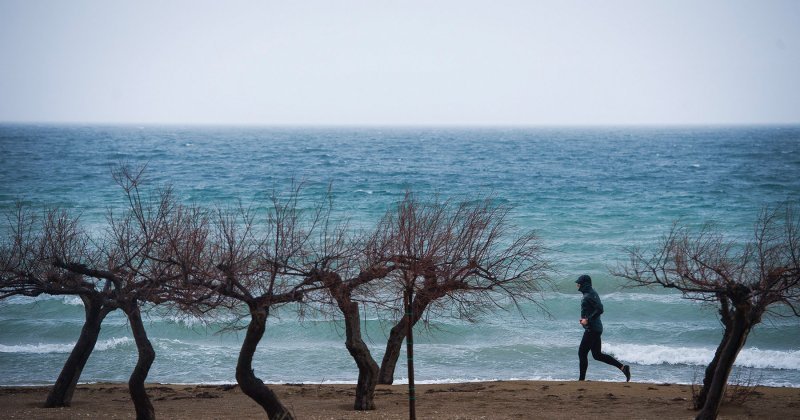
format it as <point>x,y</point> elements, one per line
<point>591,307</point>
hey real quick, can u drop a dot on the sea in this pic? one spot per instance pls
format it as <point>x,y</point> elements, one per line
<point>590,193</point>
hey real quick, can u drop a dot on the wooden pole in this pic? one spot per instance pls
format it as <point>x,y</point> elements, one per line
<point>409,295</point>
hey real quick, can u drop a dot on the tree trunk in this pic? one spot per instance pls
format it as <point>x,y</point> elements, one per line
<point>144,408</point>
<point>61,393</point>
<point>367,367</point>
<point>396,337</point>
<point>700,398</point>
<point>247,380</point>
<point>741,325</point>
<point>393,346</point>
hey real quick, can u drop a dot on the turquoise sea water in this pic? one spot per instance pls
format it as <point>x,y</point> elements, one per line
<point>588,192</point>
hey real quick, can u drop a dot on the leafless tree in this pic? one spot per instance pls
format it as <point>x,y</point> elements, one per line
<point>459,259</point>
<point>262,264</point>
<point>29,256</point>
<point>146,256</point>
<point>746,280</point>
<point>348,266</point>
<point>454,258</point>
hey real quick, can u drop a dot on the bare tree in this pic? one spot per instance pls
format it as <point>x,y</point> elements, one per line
<point>27,268</point>
<point>458,259</point>
<point>262,264</point>
<point>143,258</point>
<point>348,267</point>
<point>450,257</point>
<point>746,280</point>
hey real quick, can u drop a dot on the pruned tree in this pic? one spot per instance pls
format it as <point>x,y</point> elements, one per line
<point>137,269</point>
<point>348,266</point>
<point>29,266</point>
<point>261,264</point>
<point>142,258</point>
<point>458,259</point>
<point>745,280</point>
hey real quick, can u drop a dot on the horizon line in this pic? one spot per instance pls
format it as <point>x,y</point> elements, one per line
<point>399,125</point>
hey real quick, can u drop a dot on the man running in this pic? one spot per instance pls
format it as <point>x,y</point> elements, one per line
<point>591,309</point>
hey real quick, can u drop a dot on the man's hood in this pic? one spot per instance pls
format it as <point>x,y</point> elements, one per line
<point>585,283</point>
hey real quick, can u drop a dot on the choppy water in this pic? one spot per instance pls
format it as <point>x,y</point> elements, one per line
<point>588,192</point>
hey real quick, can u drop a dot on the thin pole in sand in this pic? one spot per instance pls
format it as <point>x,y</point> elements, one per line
<point>412,411</point>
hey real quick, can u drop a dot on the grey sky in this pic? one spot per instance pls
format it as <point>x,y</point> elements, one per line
<point>400,62</point>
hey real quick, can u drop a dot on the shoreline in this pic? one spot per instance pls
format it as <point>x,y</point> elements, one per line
<point>465,400</point>
<point>400,382</point>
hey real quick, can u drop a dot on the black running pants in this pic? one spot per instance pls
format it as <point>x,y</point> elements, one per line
<point>591,341</point>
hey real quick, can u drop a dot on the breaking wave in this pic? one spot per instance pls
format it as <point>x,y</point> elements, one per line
<point>42,348</point>
<point>657,355</point>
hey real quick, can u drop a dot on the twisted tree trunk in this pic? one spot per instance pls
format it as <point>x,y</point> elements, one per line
<point>61,393</point>
<point>367,367</point>
<point>725,316</point>
<point>144,408</point>
<point>246,378</point>
<point>702,395</point>
<point>741,326</point>
<point>396,336</point>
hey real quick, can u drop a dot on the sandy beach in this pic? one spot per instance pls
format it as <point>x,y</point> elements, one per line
<point>480,400</point>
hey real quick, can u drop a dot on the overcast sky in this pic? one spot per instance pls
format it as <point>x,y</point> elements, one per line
<point>400,62</point>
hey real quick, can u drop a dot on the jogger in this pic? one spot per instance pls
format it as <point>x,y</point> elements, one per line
<point>591,309</point>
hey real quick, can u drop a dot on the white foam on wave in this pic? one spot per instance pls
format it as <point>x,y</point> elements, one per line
<point>188,321</point>
<point>646,297</point>
<point>769,359</point>
<point>71,300</point>
<point>404,381</point>
<point>665,298</point>
<point>36,348</point>
<point>174,343</point>
<point>398,381</point>
<point>42,348</point>
<point>25,300</point>
<point>112,343</point>
<point>657,355</point>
